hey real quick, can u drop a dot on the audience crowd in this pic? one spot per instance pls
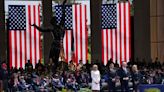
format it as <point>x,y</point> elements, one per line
<point>73,77</point>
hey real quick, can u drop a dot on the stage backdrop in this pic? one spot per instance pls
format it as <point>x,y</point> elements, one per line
<point>24,40</point>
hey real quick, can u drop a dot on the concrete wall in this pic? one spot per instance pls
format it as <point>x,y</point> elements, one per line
<point>157,29</point>
<point>142,48</point>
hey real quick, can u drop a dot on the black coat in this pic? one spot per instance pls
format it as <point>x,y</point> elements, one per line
<point>124,83</point>
<point>122,74</point>
<point>111,84</point>
<point>136,77</point>
<point>111,75</point>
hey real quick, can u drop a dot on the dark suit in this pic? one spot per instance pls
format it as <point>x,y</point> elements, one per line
<point>124,83</point>
<point>111,75</point>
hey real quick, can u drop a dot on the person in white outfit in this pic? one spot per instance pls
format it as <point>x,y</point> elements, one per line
<point>95,75</point>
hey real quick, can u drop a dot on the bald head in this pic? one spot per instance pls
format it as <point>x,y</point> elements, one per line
<point>124,64</point>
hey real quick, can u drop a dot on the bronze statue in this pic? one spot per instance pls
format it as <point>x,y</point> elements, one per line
<point>58,34</point>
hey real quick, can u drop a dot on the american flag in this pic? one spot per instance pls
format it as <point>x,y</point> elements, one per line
<point>116,33</point>
<point>24,40</point>
<point>76,30</point>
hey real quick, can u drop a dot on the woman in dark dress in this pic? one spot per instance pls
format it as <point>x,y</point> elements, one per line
<point>112,77</point>
<point>136,77</point>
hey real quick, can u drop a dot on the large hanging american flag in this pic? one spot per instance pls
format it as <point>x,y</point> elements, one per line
<point>24,40</point>
<point>116,32</point>
<point>76,30</point>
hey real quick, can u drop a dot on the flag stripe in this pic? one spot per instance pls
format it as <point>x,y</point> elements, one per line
<point>102,34</point>
<point>122,31</point>
<point>114,45</point>
<point>109,48</point>
<point>76,35</point>
<point>28,40</point>
<point>23,49</point>
<point>20,33</point>
<point>80,24</point>
<point>106,43</point>
<point>105,47</point>
<point>111,42</point>
<point>67,46</point>
<point>129,30</point>
<point>13,48</point>
<point>40,49</point>
<point>34,35</point>
<point>86,33</point>
<point>30,37</point>
<point>116,52</point>
<point>84,59</point>
<point>70,45</point>
<point>118,35</point>
<point>125,31</point>
<point>15,45</point>
<point>37,39</point>
<point>10,49</point>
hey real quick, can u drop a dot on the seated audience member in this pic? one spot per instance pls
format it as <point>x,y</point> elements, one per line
<point>95,76</point>
<point>14,82</point>
<point>35,82</point>
<point>23,86</point>
<point>28,66</point>
<point>136,77</point>
<point>78,78</point>
<point>57,83</point>
<point>158,77</point>
<point>50,66</point>
<point>4,76</point>
<point>72,66</point>
<point>44,83</point>
<point>116,65</point>
<point>80,65</point>
<point>82,78</point>
<point>150,76</point>
<point>109,62</point>
<point>85,79</point>
<point>71,82</point>
<point>124,75</point>
<point>39,67</point>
